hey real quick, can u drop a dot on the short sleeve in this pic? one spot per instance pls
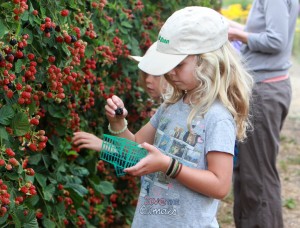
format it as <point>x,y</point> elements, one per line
<point>220,136</point>
<point>156,117</point>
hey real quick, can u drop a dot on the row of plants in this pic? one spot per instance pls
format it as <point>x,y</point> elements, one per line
<point>59,62</point>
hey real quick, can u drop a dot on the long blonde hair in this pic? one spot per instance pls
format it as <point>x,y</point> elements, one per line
<point>221,75</point>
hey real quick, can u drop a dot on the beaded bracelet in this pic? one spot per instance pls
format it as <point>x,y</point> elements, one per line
<point>118,132</point>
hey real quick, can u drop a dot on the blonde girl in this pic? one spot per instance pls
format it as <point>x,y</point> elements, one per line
<point>191,137</point>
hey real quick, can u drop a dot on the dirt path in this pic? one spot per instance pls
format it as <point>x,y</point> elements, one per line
<point>289,156</point>
<point>288,163</point>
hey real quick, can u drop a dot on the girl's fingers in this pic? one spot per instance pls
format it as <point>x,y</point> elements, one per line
<point>111,104</point>
<point>117,101</point>
<point>109,111</point>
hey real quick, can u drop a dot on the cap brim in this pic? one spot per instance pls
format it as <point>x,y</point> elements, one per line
<point>157,63</point>
<point>135,58</point>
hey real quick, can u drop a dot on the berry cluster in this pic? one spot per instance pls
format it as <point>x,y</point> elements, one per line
<point>47,27</point>
<point>4,198</point>
<point>7,159</point>
<point>20,7</point>
<point>28,189</point>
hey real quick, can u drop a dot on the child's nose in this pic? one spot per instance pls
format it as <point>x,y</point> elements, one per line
<point>171,72</point>
<point>149,78</point>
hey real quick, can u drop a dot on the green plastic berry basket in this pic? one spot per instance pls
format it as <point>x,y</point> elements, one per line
<point>121,152</point>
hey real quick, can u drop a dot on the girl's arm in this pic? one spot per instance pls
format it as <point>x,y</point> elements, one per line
<point>214,182</point>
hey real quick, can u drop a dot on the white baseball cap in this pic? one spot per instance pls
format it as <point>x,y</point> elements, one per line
<point>189,31</point>
<point>139,58</point>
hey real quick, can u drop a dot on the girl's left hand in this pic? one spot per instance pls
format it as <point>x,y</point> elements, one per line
<point>155,161</point>
<point>87,140</point>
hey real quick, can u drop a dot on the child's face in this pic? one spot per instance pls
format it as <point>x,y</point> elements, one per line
<point>153,85</point>
<point>183,75</point>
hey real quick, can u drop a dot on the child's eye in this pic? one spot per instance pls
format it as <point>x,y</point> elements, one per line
<point>179,65</point>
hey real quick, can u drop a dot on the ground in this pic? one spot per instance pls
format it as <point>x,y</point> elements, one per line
<point>288,163</point>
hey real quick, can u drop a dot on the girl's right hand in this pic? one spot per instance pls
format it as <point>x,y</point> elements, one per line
<point>112,105</point>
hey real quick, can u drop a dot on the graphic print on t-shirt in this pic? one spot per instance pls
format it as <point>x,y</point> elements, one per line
<point>175,140</point>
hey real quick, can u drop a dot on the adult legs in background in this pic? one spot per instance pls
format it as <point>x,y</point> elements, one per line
<point>257,190</point>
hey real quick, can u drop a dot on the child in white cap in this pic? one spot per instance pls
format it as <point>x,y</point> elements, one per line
<point>153,85</point>
<point>191,137</point>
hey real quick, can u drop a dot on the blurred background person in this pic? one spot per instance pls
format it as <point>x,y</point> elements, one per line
<point>267,41</point>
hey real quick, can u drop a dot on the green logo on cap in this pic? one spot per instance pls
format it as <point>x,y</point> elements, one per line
<point>163,40</point>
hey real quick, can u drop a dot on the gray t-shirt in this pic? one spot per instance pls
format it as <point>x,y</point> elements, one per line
<point>164,202</point>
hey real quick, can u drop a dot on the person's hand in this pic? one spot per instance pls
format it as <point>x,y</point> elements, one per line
<point>115,109</point>
<point>155,161</point>
<point>237,34</point>
<point>86,140</point>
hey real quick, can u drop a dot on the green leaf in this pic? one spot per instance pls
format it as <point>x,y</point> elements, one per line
<point>32,224</point>
<point>3,29</point>
<point>28,218</point>
<point>48,223</point>
<point>20,124</point>
<point>60,210</point>
<point>46,159</point>
<point>33,200</point>
<point>16,219</point>
<point>57,111</point>
<point>103,187</point>
<point>34,159</point>
<point>76,197</point>
<point>50,41</point>
<point>3,219</point>
<point>79,189</point>
<point>106,187</point>
<point>3,133</point>
<point>6,5</point>
<point>66,50</point>
<point>126,24</point>
<point>12,176</point>
<point>48,192</point>
<point>18,65</point>
<point>79,171</point>
<point>41,179</point>
<point>25,16</point>
<point>6,114</point>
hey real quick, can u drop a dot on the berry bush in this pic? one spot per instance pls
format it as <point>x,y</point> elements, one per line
<point>59,62</point>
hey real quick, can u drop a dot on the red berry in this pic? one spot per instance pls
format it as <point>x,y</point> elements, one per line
<point>19,86</point>
<point>39,215</point>
<point>19,54</point>
<point>2,162</point>
<point>13,161</point>
<point>24,189</point>
<point>51,59</point>
<point>35,12</point>
<point>9,94</point>
<point>30,172</point>
<point>32,147</point>
<point>30,56</point>
<point>34,121</point>
<point>10,152</point>
<point>64,12</point>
